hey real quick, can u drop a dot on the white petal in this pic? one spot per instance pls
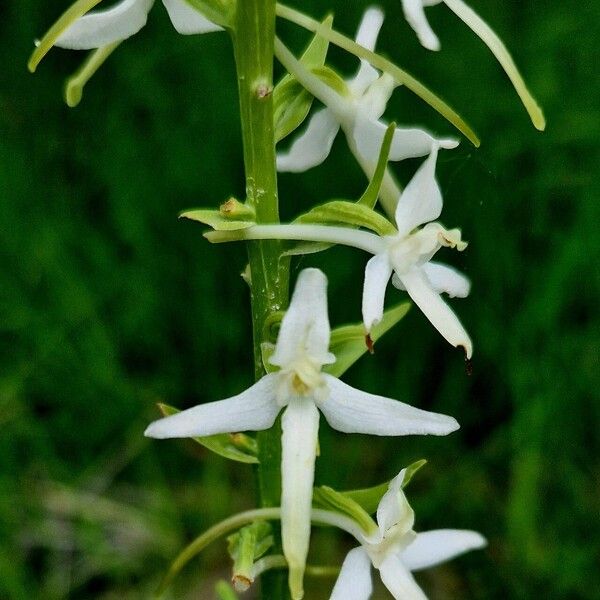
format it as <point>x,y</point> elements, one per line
<point>354,581</point>
<point>398,580</point>
<point>368,30</point>
<point>446,279</point>
<point>188,20</point>
<point>394,508</point>
<point>252,410</point>
<point>442,279</point>
<point>300,426</point>
<point>368,133</point>
<point>414,13</point>
<point>313,146</point>
<point>436,310</point>
<point>421,201</point>
<point>377,276</point>
<point>352,411</point>
<point>102,27</point>
<point>305,329</point>
<point>434,547</point>
<point>367,35</point>
<point>375,99</point>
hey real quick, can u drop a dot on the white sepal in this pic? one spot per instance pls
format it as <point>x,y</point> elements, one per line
<point>414,13</point>
<point>398,579</point>
<point>377,275</point>
<point>354,581</point>
<point>252,410</point>
<point>394,509</point>
<point>436,310</point>
<point>305,329</point>
<point>103,27</point>
<point>421,201</point>
<point>353,411</point>
<point>313,146</point>
<point>446,279</point>
<point>434,547</point>
<point>187,20</point>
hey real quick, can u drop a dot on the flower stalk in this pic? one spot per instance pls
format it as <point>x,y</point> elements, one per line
<point>253,38</point>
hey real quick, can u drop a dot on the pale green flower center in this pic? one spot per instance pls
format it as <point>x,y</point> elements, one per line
<point>301,378</point>
<point>395,540</point>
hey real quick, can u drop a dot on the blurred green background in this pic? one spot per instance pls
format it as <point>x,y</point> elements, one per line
<point>108,304</point>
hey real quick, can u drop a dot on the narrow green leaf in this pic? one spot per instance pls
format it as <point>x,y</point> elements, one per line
<point>327,498</point>
<point>369,198</point>
<point>369,498</point>
<point>215,219</point>
<point>348,342</point>
<point>237,446</point>
<point>342,212</point>
<point>291,102</point>
<point>225,591</point>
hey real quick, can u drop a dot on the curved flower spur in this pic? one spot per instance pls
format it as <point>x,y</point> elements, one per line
<point>414,12</point>
<point>395,550</point>
<point>302,389</point>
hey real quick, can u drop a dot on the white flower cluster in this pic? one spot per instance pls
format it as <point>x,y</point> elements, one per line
<point>298,387</point>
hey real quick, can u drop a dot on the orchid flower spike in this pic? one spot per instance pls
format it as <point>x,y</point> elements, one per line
<point>102,28</point>
<point>414,12</point>
<point>302,389</point>
<point>356,109</point>
<point>395,550</point>
<point>406,254</point>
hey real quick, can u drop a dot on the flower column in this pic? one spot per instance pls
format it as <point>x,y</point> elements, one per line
<point>253,38</point>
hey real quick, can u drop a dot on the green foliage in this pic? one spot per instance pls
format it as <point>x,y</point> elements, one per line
<point>369,498</point>
<point>291,102</point>
<point>109,304</point>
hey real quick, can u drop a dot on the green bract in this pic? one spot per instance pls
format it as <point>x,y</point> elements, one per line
<point>342,212</point>
<point>327,498</point>
<point>291,101</point>
<point>369,498</point>
<point>348,342</point>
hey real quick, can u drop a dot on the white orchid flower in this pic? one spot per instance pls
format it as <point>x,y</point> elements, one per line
<point>406,254</point>
<point>100,28</point>
<point>357,112</point>
<point>395,550</point>
<point>303,390</point>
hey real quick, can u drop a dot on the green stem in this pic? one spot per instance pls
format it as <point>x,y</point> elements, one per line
<point>253,39</point>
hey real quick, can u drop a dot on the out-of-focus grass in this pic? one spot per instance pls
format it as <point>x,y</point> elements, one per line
<point>108,305</point>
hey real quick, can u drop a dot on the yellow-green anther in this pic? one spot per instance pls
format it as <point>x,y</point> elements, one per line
<point>400,76</point>
<point>76,83</point>
<point>74,12</point>
<point>499,50</point>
